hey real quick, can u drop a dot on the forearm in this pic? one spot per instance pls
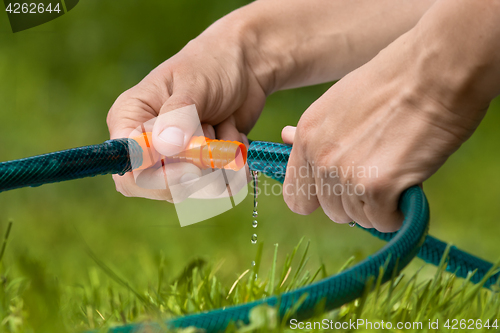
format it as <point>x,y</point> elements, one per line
<point>458,42</point>
<point>290,43</point>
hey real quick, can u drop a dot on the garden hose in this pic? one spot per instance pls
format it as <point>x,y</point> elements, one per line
<point>123,155</point>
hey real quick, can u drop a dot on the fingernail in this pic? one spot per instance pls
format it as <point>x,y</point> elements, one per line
<point>173,136</point>
<point>188,177</point>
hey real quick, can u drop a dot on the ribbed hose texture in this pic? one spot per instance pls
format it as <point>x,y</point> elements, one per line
<point>271,159</point>
<point>110,157</point>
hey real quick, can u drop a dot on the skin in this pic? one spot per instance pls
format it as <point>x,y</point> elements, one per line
<point>404,112</point>
<point>416,80</point>
<point>230,69</point>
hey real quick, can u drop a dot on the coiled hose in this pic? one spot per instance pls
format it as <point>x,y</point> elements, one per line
<point>114,156</point>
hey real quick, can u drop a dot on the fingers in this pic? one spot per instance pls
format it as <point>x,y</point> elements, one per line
<point>172,130</point>
<point>385,218</point>
<point>235,180</point>
<point>381,208</point>
<point>372,203</point>
<point>165,176</point>
<point>172,182</point>
<point>299,187</point>
<point>288,134</point>
<point>317,185</point>
<point>354,207</point>
<point>330,198</point>
<point>175,125</point>
<point>227,130</point>
<point>155,183</point>
<point>338,187</point>
<point>126,185</point>
<point>173,119</point>
<point>134,107</point>
<point>208,131</point>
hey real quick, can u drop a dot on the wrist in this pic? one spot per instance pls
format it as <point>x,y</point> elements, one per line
<point>292,43</point>
<point>418,74</point>
<point>234,40</point>
<point>458,54</point>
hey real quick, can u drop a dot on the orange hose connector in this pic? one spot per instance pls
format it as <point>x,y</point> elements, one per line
<point>203,152</point>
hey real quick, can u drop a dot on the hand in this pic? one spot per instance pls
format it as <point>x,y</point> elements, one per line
<point>230,68</point>
<point>210,73</point>
<point>394,122</point>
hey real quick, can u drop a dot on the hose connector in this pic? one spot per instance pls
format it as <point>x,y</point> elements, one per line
<point>203,152</point>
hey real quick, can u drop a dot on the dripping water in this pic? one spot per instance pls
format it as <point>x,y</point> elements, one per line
<point>255,223</point>
<point>255,214</point>
<point>254,238</point>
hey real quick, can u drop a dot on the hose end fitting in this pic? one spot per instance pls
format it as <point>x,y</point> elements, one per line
<point>203,152</point>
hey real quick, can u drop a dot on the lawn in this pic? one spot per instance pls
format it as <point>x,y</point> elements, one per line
<point>80,255</point>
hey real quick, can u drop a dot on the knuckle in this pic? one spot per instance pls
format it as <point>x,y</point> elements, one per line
<point>300,141</point>
<point>308,120</point>
<point>114,112</point>
<point>376,188</point>
<point>182,100</point>
<point>324,165</point>
<point>336,211</point>
<point>323,159</point>
<point>305,128</point>
<point>123,97</point>
<point>353,207</point>
<point>111,118</point>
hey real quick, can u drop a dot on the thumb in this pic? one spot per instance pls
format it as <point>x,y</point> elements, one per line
<point>177,122</point>
<point>288,133</point>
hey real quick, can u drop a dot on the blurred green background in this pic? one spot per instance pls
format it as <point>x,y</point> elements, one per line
<point>57,82</point>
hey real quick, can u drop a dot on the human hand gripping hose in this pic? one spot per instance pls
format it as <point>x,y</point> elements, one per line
<point>123,155</point>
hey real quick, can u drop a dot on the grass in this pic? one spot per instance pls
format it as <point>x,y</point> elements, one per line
<point>109,300</point>
<point>57,82</point>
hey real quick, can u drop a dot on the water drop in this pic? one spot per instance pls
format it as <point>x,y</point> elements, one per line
<point>255,178</point>
<point>352,224</point>
<point>254,238</point>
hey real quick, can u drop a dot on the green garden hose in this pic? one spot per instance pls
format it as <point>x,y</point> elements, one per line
<point>114,157</point>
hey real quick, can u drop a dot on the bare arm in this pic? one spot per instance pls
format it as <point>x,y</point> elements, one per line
<point>228,71</point>
<point>403,114</point>
<point>294,43</point>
